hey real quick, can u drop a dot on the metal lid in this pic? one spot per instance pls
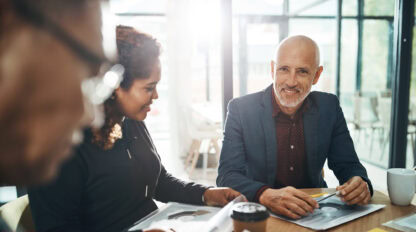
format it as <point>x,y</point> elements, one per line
<point>249,212</point>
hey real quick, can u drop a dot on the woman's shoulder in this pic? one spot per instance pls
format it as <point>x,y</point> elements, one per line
<point>86,150</point>
<point>135,126</point>
<point>129,121</point>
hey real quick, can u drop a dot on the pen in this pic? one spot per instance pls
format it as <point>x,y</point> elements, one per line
<point>318,195</point>
<point>330,195</point>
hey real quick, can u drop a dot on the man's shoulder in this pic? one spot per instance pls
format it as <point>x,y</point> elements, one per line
<point>249,98</point>
<point>323,98</point>
<point>252,98</point>
<point>322,95</point>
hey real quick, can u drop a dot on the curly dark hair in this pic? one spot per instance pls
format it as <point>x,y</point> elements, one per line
<point>137,52</point>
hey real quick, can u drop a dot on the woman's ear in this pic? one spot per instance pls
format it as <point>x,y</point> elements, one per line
<point>117,93</point>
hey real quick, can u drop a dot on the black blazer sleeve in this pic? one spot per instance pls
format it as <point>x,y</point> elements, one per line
<point>56,206</point>
<point>170,188</point>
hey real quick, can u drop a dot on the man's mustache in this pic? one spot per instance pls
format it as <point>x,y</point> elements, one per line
<point>290,88</point>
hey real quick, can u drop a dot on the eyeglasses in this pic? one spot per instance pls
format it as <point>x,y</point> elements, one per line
<point>96,89</point>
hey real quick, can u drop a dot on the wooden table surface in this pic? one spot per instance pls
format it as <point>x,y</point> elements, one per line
<point>365,223</point>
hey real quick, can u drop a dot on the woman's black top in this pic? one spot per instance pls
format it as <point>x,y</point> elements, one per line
<point>109,190</point>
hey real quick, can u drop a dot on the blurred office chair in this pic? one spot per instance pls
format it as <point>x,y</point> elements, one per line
<point>364,116</point>
<point>17,215</point>
<point>205,136</point>
<point>384,113</point>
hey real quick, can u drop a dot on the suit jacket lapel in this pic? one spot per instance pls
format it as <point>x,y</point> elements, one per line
<point>269,129</point>
<point>310,132</point>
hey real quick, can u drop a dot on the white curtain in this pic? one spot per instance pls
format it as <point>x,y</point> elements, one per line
<point>179,54</point>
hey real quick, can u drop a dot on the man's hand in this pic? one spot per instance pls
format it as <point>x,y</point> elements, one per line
<point>219,196</point>
<point>288,201</point>
<point>355,191</point>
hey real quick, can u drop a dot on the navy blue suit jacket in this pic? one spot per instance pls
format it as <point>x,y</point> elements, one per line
<point>248,157</point>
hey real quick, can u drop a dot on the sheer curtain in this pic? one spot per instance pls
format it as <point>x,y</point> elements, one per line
<point>179,56</point>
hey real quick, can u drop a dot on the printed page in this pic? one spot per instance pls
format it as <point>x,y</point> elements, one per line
<point>332,212</point>
<point>174,215</point>
<point>184,218</point>
<point>407,223</point>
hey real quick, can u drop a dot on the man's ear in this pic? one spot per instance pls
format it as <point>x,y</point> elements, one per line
<point>317,74</point>
<point>272,65</point>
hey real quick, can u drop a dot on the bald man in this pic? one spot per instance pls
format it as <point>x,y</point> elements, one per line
<point>277,140</point>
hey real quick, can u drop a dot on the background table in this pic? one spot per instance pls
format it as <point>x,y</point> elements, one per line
<point>365,223</point>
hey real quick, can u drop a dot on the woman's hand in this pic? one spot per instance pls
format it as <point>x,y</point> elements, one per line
<point>219,196</point>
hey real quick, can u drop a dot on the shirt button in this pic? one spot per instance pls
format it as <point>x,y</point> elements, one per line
<point>293,124</point>
<point>291,168</point>
<point>291,147</point>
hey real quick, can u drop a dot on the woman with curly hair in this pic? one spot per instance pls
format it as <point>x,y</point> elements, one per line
<point>116,172</point>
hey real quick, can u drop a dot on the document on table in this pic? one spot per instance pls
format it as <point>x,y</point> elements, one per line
<point>332,212</point>
<point>407,223</point>
<point>184,218</point>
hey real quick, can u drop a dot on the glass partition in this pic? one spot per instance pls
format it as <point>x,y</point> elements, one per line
<point>365,78</point>
<point>411,130</point>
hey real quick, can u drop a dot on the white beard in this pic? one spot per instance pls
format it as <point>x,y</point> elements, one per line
<point>291,103</point>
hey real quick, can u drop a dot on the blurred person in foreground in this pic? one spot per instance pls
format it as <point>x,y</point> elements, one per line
<point>47,48</point>
<point>116,173</point>
<point>277,140</point>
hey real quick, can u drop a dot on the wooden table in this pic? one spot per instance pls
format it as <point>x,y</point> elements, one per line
<point>365,223</point>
